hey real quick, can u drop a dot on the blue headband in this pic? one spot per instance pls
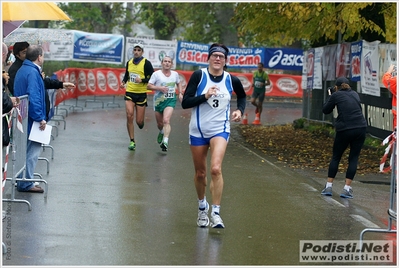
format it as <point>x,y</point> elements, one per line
<point>217,49</point>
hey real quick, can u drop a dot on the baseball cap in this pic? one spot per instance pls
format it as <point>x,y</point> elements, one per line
<point>138,45</point>
<point>341,80</point>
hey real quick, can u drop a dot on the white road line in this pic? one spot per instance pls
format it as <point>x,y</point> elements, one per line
<point>308,187</point>
<point>332,201</point>
<point>364,221</point>
<point>264,159</point>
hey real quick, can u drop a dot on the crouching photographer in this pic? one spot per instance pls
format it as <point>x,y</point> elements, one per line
<point>350,128</point>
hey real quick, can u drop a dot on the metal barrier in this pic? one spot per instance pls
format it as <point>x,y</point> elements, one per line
<point>95,100</point>
<point>18,150</point>
<point>392,199</point>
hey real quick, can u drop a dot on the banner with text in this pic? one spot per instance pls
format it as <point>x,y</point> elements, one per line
<point>310,68</point>
<point>356,56</point>
<point>283,59</point>
<point>317,75</point>
<point>106,81</point>
<point>388,55</point>
<point>342,63</point>
<point>369,68</point>
<point>94,47</point>
<point>197,54</point>
<point>328,62</point>
<point>154,50</point>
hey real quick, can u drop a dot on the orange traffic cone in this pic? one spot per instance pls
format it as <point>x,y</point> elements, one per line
<point>245,119</point>
<point>257,120</point>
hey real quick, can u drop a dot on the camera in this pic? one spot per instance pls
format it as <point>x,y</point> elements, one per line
<point>331,90</point>
<point>394,71</point>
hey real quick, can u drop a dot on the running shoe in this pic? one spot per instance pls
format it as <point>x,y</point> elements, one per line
<point>327,191</point>
<point>160,138</point>
<point>346,193</point>
<point>164,146</point>
<point>216,220</point>
<point>132,146</point>
<point>203,220</point>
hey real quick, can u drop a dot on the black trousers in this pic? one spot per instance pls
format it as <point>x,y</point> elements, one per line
<point>355,139</point>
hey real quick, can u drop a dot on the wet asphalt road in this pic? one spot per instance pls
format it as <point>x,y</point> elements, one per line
<point>107,205</point>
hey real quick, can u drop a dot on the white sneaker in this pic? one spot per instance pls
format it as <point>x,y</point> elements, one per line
<point>203,220</point>
<point>216,221</point>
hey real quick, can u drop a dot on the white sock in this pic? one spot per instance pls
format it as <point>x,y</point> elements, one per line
<point>165,140</point>
<point>202,203</point>
<point>347,187</point>
<point>161,131</point>
<point>328,184</point>
<point>216,209</point>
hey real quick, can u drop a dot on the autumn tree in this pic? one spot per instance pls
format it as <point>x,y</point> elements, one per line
<point>281,24</point>
<point>98,17</point>
<point>208,22</point>
<point>161,17</point>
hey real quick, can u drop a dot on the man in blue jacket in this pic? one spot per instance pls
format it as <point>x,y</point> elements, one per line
<point>29,81</point>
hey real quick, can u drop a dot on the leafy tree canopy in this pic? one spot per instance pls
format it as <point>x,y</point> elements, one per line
<point>161,17</point>
<point>97,17</point>
<point>281,24</point>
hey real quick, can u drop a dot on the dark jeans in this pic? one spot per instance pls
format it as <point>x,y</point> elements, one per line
<point>353,138</point>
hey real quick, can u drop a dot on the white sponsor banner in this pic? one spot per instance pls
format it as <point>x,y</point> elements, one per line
<point>59,50</point>
<point>387,54</point>
<point>369,68</point>
<point>154,50</point>
<point>317,76</point>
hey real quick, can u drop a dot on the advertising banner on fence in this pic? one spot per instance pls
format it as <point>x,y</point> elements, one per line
<point>369,68</point>
<point>310,68</point>
<point>106,81</point>
<point>197,54</point>
<point>59,50</point>
<point>94,47</point>
<point>342,63</point>
<point>328,62</point>
<point>283,59</point>
<point>388,55</point>
<point>154,50</point>
<point>317,75</point>
<point>356,56</point>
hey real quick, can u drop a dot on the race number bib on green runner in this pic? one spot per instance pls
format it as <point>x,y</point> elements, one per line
<point>171,92</point>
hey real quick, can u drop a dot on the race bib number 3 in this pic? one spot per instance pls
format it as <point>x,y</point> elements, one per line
<point>217,103</point>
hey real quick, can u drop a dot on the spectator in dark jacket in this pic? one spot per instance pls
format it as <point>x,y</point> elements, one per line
<point>19,51</point>
<point>350,128</point>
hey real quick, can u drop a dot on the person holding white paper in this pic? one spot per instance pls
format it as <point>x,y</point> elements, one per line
<point>29,81</point>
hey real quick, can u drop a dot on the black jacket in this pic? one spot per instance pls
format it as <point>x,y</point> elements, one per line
<point>7,107</point>
<point>350,114</point>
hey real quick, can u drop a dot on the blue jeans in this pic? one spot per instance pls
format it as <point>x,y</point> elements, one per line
<point>33,151</point>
